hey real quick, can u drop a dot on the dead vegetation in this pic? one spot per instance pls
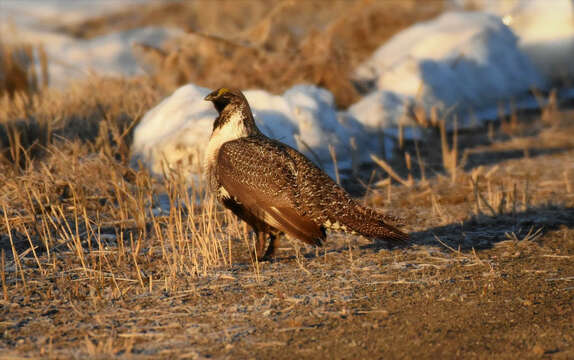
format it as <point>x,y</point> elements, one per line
<point>270,45</point>
<point>87,241</point>
<point>23,68</point>
<point>99,260</point>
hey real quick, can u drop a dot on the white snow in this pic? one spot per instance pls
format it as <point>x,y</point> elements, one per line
<point>273,115</point>
<point>382,113</point>
<point>468,64</point>
<point>174,134</point>
<point>545,29</point>
<point>40,13</point>
<point>319,127</point>
<point>36,22</point>
<point>108,55</point>
<point>462,63</point>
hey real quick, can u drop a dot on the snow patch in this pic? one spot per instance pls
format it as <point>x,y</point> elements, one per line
<point>545,29</point>
<point>174,134</point>
<point>462,63</point>
<point>69,58</point>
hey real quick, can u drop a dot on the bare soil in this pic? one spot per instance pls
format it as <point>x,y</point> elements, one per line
<point>91,267</point>
<point>478,280</point>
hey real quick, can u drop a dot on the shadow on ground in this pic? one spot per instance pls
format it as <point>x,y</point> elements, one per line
<point>475,148</point>
<point>479,232</point>
<point>482,231</point>
<point>485,158</point>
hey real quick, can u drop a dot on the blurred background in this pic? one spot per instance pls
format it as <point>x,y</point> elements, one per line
<point>251,44</point>
<point>392,67</point>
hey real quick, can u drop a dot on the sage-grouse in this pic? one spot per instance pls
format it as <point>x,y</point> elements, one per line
<point>275,188</point>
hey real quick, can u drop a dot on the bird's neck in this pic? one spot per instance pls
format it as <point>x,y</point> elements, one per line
<point>231,124</point>
<point>240,121</point>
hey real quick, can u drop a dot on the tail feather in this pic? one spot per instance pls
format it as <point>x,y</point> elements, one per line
<point>373,224</point>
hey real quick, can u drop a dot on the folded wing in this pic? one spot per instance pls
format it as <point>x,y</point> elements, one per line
<point>259,174</point>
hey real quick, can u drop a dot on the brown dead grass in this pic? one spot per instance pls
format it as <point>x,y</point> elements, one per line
<point>91,261</point>
<point>266,44</point>
<point>92,267</point>
<point>23,68</point>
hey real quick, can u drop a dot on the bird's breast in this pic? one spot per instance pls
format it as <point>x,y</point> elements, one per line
<point>232,129</point>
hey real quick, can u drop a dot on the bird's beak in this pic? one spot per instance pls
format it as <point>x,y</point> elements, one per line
<point>211,96</point>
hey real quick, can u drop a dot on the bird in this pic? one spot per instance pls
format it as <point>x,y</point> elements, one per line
<point>277,190</point>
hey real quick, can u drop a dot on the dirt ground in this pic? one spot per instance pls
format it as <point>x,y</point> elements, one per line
<point>481,278</point>
<point>90,268</point>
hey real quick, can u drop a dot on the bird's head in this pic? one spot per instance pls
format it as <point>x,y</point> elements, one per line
<point>229,102</point>
<point>223,97</point>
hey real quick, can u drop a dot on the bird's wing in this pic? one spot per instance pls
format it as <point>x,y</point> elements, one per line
<point>260,175</point>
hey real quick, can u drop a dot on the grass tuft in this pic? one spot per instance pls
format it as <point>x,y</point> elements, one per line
<point>99,260</point>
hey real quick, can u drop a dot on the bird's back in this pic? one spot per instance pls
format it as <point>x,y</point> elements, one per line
<point>282,173</point>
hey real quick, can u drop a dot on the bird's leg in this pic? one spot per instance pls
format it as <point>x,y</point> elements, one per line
<point>273,245</point>
<point>260,245</point>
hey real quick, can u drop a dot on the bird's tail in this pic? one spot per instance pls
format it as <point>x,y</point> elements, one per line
<point>372,223</point>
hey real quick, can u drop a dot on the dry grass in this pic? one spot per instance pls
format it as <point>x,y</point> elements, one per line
<point>94,266</point>
<point>290,42</point>
<point>23,68</point>
<point>87,240</point>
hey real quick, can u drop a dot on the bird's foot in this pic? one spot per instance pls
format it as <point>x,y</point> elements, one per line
<point>266,258</point>
<point>270,252</point>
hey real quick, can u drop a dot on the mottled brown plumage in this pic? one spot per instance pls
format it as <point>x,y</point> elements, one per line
<point>276,189</point>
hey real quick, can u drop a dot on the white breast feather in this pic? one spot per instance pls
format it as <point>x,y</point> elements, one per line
<point>232,130</point>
